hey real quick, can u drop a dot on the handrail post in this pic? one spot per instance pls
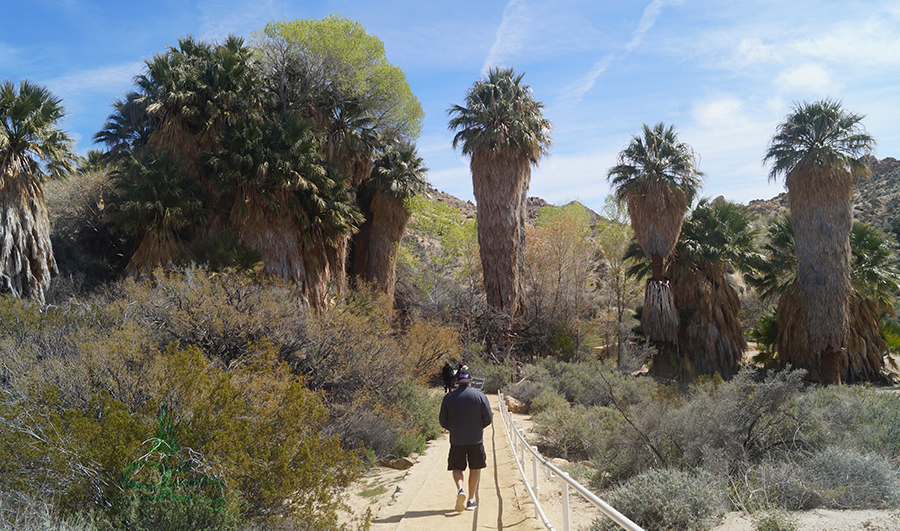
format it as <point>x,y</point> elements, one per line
<point>567,518</point>
<point>537,489</point>
<point>515,447</point>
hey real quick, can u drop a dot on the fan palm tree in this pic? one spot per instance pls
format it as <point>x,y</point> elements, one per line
<point>157,205</point>
<point>657,176</point>
<point>397,175</point>
<point>874,283</point>
<point>819,149</point>
<point>32,149</point>
<point>715,237</point>
<point>503,131</point>
<point>281,201</point>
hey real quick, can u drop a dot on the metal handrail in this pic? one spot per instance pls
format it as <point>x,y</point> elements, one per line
<point>519,444</point>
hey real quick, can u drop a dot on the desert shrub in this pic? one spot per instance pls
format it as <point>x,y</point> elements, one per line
<point>259,430</point>
<point>847,479</point>
<point>418,407</point>
<point>526,391</point>
<point>548,401</point>
<point>175,515</point>
<point>575,432</point>
<point>497,376</point>
<point>859,416</point>
<point>219,314</point>
<point>668,499</point>
<point>358,425</point>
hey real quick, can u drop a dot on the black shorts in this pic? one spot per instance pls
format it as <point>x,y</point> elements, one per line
<point>473,453</point>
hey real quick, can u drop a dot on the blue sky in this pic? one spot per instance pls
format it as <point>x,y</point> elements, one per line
<point>724,73</point>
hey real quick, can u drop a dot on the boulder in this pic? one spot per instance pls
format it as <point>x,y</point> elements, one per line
<point>403,463</point>
<point>514,406</point>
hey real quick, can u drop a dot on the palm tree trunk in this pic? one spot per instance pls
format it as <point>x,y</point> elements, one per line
<point>822,215</point>
<point>498,188</point>
<point>659,320</point>
<point>389,221</point>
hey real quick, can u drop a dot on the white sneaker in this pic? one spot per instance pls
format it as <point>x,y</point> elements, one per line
<point>460,501</point>
<point>471,505</point>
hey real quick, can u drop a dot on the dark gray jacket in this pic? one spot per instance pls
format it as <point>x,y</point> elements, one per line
<point>466,412</point>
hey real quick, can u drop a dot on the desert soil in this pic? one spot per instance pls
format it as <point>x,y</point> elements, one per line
<point>422,497</point>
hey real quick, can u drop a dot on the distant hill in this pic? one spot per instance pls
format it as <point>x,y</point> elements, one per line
<point>876,200</point>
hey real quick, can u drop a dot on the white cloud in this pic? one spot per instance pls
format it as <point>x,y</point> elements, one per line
<point>219,18</point>
<point>753,50</point>
<point>807,77</point>
<point>114,79</point>
<point>574,93</point>
<point>871,42</point>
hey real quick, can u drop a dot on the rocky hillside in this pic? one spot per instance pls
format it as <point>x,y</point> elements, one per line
<point>876,199</point>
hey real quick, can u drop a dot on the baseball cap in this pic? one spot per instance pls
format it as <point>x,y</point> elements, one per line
<point>464,376</point>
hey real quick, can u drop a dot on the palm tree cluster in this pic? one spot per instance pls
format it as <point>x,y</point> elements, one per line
<point>827,318</point>
<point>270,153</point>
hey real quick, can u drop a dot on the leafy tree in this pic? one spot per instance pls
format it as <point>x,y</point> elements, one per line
<point>618,289</point>
<point>559,266</point>
<point>32,149</point>
<point>503,130</point>
<point>819,149</point>
<point>657,177</point>
<point>317,66</point>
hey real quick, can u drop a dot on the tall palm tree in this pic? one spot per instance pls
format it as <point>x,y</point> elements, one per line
<point>819,149</point>
<point>32,149</point>
<point>874,283</point>
<point>657,176</point>
<point>504,132</point>
<point>398,174</point>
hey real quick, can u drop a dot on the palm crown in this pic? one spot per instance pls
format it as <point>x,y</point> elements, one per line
<point>658,177</point>
<point>501,115</point>
<point>819,136</point>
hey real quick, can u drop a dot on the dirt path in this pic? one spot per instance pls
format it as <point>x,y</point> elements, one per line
<point>424,498</point>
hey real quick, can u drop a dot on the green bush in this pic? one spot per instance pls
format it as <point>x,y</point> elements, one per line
<point>408,444</point>
<point>575,432</point>
<point>175,515</point>
<point>668,500</point>
<point>775,521</point>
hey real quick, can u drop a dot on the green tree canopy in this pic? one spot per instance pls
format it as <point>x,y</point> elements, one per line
<point>311,58</point>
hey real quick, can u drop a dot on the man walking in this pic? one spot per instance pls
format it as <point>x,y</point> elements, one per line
<point>465,412</point>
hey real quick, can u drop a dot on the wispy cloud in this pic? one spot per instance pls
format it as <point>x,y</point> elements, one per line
<point>510,35</point>
<point>575,92</point>
<point>115,79</point>
<point>648,19</point>
<point>219,18</point>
